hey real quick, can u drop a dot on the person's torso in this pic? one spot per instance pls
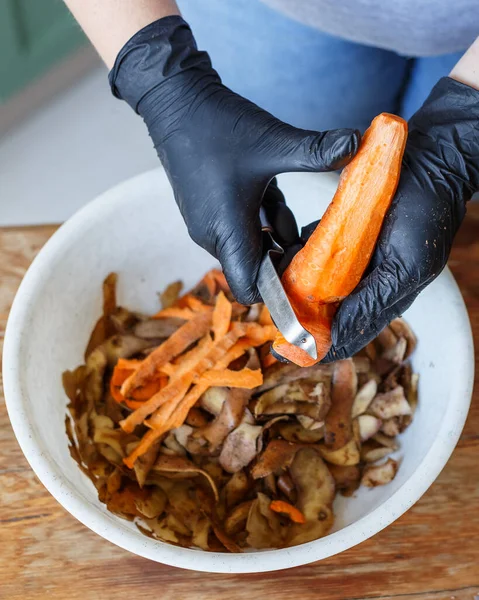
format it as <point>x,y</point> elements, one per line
<point>409,27</point>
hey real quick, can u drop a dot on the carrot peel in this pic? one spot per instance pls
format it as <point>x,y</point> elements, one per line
<point>279,506</point>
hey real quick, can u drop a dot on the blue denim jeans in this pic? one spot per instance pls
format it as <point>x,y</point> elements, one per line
<point>303,76</point>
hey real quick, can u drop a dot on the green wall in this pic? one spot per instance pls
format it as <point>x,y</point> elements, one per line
<point>34,35</point>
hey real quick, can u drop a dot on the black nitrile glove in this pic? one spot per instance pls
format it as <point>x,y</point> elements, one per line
<point>219,150</point>
<point>439,175</point>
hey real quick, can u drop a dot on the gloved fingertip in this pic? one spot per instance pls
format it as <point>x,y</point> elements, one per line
<point>278,357</point>
<point>338,147</point>
<point>244,295</point>
<point>335,354</point>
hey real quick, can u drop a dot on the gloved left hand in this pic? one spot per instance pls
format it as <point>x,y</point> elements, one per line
<point>220,151</point>
<point>440,173</point>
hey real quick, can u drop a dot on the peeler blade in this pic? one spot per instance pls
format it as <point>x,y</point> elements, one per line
<point>274,296</point>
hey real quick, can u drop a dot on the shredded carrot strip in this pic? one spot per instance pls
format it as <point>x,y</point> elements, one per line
<point>259,334</point>
<point>246,378</point>
<point>210,283</point>
<point>178,313</point>
<point>174,390</point>
<point>191,359</point>
<point>265,317</point>
<point>184,375</point>
<point>286,508</point>
<point>192,302</point>
<point>221,316</point>
<point>179,416</point>
<point>128,363</point>
<point>168,369</point>
<point>215,280</point>
<point>177,343</point>
<point>171,419</point>
<point>123,369</point>
<point>235,352</point>
<point>220,279</point>
<point>146,442</point>
<point>206,363</point>
<point>145,392</point>
<point>133,404</point>
<point>119,375</point>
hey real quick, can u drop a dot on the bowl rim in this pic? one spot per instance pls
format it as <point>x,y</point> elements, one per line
<point>111,528</point>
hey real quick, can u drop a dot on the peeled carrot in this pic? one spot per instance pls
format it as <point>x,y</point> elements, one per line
<point>336,255</point>
<point>286,508</point>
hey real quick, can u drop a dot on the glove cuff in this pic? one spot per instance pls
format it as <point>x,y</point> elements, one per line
<point>154,55</point>
<point>450,118</point>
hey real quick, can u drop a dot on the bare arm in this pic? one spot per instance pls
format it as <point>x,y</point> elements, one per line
<point>467,69</point>
<point>111,23</point>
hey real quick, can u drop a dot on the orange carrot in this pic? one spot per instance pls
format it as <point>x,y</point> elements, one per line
<point>118,377</point>
<point>286,508</point>
<point>246,378</point>
<point>169,369</point>
<point>265,317</point>
<point>178,387</point>
<point>220,279</point>
<point>192,302</point>
<point>183,337</point>
<point>221,316</point>
<point>235,352</point>
<point>175,312</point>
<point>170,421</point>
<point>258,334</point>
<point>174,391</point>
<point>210,283</point>
<point>149,389</point>
<point>336,255</point>
<point>146,442</point>
<point>123,369</point>
<point>188,361</point>
<point>179,416</point>
<point>128,363</point>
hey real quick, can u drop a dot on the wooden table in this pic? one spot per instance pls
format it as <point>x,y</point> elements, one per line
<point>432,552</point>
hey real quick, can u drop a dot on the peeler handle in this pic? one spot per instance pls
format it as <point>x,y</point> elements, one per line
<point>273,294</point>
<point>263,218</point>
<point>271,244</point>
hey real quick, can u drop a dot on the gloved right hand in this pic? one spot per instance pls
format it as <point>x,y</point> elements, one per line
<point>220,151</point>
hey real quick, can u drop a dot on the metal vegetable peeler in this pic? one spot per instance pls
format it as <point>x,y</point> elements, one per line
<point>273,294</point>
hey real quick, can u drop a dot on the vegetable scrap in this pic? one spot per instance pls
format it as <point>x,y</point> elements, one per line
<point>187,430</point>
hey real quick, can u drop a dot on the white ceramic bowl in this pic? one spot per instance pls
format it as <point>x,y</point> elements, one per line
<point>135,229</point>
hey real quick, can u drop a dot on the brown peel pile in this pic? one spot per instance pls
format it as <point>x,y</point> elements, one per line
<point>187,425</point>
